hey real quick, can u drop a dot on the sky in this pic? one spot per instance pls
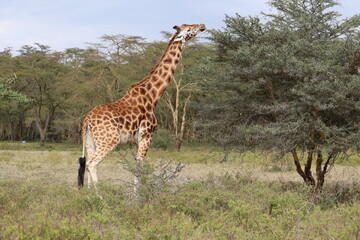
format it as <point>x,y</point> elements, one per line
<point>65,24</point>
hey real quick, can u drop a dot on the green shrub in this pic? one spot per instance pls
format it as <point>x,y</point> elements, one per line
<point>162,139</point>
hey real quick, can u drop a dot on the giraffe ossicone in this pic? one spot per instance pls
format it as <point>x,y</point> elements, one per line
<point>131,118</point>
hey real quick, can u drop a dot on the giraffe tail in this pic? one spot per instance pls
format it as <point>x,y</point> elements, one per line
<point>81,174</point>
<point>82,162</point>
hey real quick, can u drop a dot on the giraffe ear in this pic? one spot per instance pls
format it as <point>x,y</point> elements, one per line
<point>177,28</point>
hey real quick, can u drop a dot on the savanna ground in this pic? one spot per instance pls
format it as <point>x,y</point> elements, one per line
<point>242,196</point>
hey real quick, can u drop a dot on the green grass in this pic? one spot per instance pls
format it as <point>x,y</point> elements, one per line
<point>215,208</point>
<point>39,199</point>
<point>34,146</point>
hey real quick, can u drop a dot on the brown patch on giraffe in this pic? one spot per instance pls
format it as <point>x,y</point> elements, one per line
<point>166,68</point>
<point>164,75</point>
<point>160,71</point>
<point>153,93</point>
<point>148,86</point>
<point>172,53</point>
<point>142,109</point>
<point>148,107</point>
<point>148,116</point>
<point>148,97</point>
<point>154,78</point>
<point>168,61</point>
<point>135,93</point>
<point>108,114</point>
<point>142,91</point>
<point>141,100</point>
<point>136,111</point>
<point>158,84</point>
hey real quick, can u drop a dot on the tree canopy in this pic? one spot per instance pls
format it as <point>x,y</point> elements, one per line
<point>288,82</point>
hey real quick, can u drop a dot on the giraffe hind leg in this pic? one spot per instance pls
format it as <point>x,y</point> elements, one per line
<point>92,164</point>
<point>98,155</point>
<point>91,148</point>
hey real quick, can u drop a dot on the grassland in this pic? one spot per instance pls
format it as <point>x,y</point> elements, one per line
<point>247,196</point>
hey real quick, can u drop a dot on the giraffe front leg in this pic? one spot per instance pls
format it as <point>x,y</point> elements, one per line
<point>142,148</point>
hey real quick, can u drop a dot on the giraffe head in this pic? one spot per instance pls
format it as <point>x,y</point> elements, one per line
<point>185,32</point>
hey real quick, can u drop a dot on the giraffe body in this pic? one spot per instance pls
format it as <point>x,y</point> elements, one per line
<point>131,119</point>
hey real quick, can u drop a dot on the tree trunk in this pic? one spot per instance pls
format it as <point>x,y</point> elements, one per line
<point>180,135</point>
<point>42,136</point>
<point>321,169</point>
<point>174,107</point>
<point>178,143</point>
<point>306,173</point>
<point>43,125</point>
<point>12,131</point>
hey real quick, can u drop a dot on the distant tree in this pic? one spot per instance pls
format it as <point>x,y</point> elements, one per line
<point>289,83</point>
<point>122,62</point>
<point>39,69</point>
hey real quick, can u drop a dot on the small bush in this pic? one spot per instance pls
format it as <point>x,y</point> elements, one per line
<point>162,139</point>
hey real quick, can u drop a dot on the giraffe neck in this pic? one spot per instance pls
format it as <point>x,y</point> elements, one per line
<point>155,83</point>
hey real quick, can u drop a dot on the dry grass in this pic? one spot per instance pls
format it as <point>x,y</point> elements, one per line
<point>63,165</point>
<point>246,197</point>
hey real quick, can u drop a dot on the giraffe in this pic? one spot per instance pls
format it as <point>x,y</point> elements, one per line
<point>131,119</point>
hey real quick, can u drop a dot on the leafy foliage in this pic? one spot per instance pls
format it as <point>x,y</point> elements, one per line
<point>288,84</point>
<point>12,95</point>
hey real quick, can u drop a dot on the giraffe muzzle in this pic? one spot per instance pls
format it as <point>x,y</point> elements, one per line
<point>202,27</point>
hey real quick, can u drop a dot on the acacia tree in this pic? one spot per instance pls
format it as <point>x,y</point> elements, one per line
<point>39,70</point>
<point>290,84</point>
